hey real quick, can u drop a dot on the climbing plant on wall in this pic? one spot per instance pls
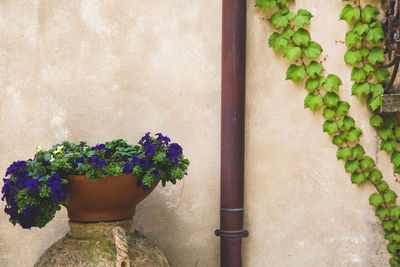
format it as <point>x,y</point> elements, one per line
<point>365,54</point>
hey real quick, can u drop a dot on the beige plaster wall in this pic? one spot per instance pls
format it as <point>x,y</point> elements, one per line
<point>98,70</point>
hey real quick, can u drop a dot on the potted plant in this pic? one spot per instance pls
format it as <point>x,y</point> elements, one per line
<point>95,183</point>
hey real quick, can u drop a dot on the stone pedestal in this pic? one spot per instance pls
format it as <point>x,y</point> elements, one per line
<point>103,244</point>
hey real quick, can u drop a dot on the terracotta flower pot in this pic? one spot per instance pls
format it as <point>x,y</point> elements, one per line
<point>108,199</point>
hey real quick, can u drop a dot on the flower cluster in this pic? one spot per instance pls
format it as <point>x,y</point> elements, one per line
<point>23,192</point>
<point>34,190</point>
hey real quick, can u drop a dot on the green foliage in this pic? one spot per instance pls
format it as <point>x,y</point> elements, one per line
<point>295,73</point>
<point>277,41</point>
<point>313,50</point>
<point>360,89</point>
<point>375,55</point>
<point>314,69</point>
<point>332,82</point>
<point>350,14</point>
<point>352,56</point>
<point>302,18</point>
<point>366,56</point>
<point>301,37</point>
<point>313,101</point>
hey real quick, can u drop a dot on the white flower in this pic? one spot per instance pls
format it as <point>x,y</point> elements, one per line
<point>52,158</point>
<point>39,149</point>
<point>59,150</point>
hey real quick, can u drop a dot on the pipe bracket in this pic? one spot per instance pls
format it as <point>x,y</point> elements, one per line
<point>231,233</point>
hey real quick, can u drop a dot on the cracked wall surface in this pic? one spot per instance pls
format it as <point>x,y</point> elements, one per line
<point>98,70</point>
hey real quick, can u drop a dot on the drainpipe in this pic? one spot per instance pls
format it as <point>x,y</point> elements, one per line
<point>232,131</point>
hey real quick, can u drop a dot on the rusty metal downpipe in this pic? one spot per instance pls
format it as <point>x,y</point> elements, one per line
<point>232,131</point>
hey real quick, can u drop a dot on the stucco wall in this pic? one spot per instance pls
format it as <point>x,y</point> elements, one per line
<point>98,70</point>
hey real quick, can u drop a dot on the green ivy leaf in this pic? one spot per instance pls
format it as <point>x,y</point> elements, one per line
<point>382,212</point>
<point>330,127</point>
<point>358,74</point>
<point>376,200</point>
<point>367,163</point>
<point>364,52</point>
<point>301,37</point>
<point>295,73</point>
<point>288,33</point>
<point>313,83</point>
<point>349,13</point>
<point>314,69</point>
<point>390,196</point>
<point>387,225</point>
<point>357,151</point>
<point>292,52</point>
<point>279,20</point>
<point>302,18</point>
<point>313,101</point>
<point>368,68</point>
<point>395,212</point>
<point>339,123</point>
<point>332,82</point>
<point>352,165</point>
<point>390,121</point>
<point>343,108</point>
<point>348,123</point>
<point>395,158</point>
<point>375,33</point>
<point>352,38</point>
<point>360,89</point>
<point>397,132</point>
<point>360,28</point>
<point>388,145</point>
<point>376,121</point>
<point>385,132</point>
<point>277,41</point>
<point>375,176</point>
<point>343,153</point>
<point>266,3</point>
<point>381,74</point>
<point>382,187</point>
<point>352,57</point>
<point>354,135</point>
<point>374,102</point>
<point>281,3</point>
<point>394,261</point>
<point>376,89</point>
<point>369,13</point>
<point>329,113</point>
<point>357,178</point>
<point>337,140</point>
<point>376,54</point>
<point>331,99</point>
<point>313,50</point>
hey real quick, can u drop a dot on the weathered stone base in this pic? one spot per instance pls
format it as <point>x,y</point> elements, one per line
<point>91,244</point>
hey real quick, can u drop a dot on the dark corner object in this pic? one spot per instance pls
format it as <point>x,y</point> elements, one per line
<point>391,28</point>
<point>232,131</point>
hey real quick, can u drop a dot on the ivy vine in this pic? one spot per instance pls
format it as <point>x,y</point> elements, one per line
<point>366,55</point>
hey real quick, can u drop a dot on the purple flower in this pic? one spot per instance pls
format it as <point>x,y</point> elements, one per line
<point>127,168</point>
<point>99,147</point>
<point>59,191</point>
<point>81,159</point>
<point>162,138</point>
<point>145,139</point>
<point>144,187</point>
<point>156,173</point>
<point>135,159</point>
<point>28,217</point>
<point>96,162</point>
<point>17,168</point>
<point>149,147</point>
<point>145,163</point>
<point>174,152</point>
